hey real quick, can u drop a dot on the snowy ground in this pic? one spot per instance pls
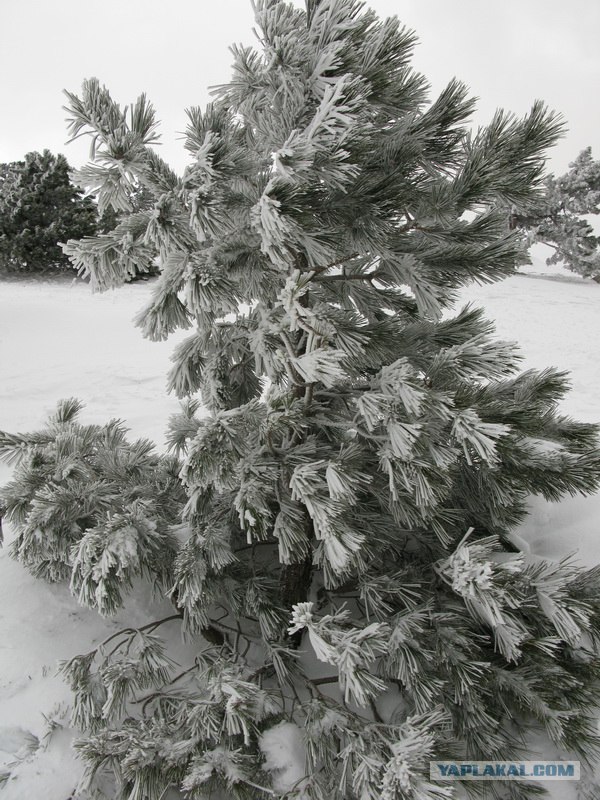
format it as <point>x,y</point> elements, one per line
<point>555,317</point>
<point>57,340</point>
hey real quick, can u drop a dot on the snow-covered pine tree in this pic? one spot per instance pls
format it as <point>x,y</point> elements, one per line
<point>560,218</point>
<point>345,561</point>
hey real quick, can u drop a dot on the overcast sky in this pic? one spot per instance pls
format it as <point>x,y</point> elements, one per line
<point>510,52</point>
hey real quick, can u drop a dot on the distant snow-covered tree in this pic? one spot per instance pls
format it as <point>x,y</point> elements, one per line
<point>559,220</point>
<point>354,454</point>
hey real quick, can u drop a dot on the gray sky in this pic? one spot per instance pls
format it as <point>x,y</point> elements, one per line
<point>510,52</point>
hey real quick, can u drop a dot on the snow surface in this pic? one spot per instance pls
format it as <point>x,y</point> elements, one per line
<point>554,315</point>
<point>57,340</point>
<point>283,748</point>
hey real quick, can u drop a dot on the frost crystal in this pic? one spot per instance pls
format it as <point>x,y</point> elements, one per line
<point>397,776</point>
<point>468,575</point>
<point>301,617</point>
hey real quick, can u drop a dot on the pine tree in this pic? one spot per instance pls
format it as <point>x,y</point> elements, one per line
<point>40,207</point>
<point>363,452</point>
<point>559,220</point>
